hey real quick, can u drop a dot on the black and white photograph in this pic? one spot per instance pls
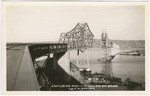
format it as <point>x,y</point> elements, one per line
<point>75,46</point>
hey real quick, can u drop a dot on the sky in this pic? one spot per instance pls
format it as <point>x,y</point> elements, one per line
<point>46,23</point>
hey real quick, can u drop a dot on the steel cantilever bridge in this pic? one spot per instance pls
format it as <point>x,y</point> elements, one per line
<point>79,38</point>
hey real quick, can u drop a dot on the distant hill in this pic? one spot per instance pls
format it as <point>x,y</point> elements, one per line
<point>124,44</point>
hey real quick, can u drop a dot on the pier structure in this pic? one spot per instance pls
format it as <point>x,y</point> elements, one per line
<point>109,48</point>
<point>106,44</point>
<point>79,38</point>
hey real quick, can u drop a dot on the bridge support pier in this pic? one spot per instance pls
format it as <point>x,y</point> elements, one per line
<point>83,61</point>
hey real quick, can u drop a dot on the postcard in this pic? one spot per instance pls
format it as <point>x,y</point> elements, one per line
<point>75,48</point>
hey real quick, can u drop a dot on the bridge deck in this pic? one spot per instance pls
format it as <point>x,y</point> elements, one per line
<point>20,72</point>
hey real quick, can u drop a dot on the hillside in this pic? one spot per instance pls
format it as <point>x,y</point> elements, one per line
<point>124,44</point>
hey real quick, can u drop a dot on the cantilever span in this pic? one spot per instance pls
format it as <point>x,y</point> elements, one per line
<point>80,37</point>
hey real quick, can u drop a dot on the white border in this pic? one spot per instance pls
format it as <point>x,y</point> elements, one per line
<point>3,55</point>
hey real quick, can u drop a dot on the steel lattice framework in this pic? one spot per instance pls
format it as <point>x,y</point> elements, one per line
<point>80,37</point>
<point>38,50</point>
<point>105,40</point>
<point>106,44</point>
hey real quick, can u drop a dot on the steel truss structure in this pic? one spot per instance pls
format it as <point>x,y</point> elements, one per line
<point>80,37</point>
<point>106,44</point>
<point>38,50</point>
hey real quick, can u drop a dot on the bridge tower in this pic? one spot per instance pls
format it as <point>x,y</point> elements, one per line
<point>79,38</point>
<point>106,44</point>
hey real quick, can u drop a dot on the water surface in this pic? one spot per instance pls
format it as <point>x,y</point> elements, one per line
<point>123,66</point>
